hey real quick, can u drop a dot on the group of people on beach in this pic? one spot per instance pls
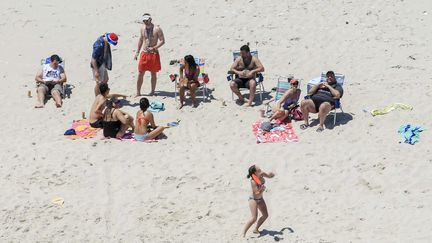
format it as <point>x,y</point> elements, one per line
<point>106,113</point>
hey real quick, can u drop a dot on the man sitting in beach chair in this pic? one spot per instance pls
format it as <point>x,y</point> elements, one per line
<point>322,100</point>
<point>286,102</point>
<point>246,67</point>
<point>50,80</point>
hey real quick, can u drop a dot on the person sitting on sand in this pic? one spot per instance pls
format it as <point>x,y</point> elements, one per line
<point>189,72</point>
<point>145,123</point>
<point>115,121</point>
<point>287,102</point>
<point>322,100</point>
<point>246,67</point>
<point>50,79</point>
<point>256,200</point>
<point>98,105</point>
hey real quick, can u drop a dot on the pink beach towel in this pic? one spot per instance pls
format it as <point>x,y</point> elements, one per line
<point>83,130</point>
<point>281,135</point>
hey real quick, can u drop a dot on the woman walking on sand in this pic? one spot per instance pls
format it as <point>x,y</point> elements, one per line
<point>256,200</point>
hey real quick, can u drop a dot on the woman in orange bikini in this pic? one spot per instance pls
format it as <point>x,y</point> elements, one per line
<point>256,200</point>
<point>189,72</point>
<point>145,122</point>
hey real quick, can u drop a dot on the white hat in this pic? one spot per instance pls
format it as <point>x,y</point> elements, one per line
<point>146,16</point>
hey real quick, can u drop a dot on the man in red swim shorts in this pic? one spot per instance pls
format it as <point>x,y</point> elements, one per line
<point>151,38</point>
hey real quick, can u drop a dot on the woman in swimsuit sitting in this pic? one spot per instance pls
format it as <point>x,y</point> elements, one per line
<point>145,122</point>
<point>115,122</point>
<point>256,200</point>
<point>189,72</point>
<point>287,102</point>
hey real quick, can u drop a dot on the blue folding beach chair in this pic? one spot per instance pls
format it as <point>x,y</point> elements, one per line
<point>259,78</point>
<point>340,79</point>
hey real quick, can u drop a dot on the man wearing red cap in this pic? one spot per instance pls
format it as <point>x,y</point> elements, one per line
<point>151,39</point>
<point>101,58</point>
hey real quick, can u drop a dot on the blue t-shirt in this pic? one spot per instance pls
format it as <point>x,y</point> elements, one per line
<point>99,55</point>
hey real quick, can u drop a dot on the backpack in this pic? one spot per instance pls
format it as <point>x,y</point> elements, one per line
<point>296,114</point>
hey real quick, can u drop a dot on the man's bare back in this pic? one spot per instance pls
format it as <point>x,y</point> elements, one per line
<point>97,108</point>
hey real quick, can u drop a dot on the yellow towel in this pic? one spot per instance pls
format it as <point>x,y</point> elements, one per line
<point>389,108</point>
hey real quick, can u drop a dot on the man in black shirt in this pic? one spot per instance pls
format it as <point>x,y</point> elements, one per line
<point>322,100</point>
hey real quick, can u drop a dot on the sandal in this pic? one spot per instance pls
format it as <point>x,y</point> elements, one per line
<point>320,129</point>
<point>303,126</point>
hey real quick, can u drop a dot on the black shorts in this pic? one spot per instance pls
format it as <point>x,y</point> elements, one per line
<point>97,124</point>
<point>318,103</point>
<point>242,82</point>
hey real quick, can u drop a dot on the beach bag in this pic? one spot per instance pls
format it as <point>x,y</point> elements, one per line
<point>157,105</point>
<point>297,114</point>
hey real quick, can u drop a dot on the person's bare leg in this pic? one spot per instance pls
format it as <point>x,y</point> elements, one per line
<point>181,96</point>
<point>57,98</point>
<point>40,97</point>
<point>307,106</point>
<point>192,90</point>
<point>277,114</point>
<point>236,91</point>
<point>123,129</point>
<point>324,109</point>
<point>153,83</point>
<point>254,212</point>
<point>252,89</point>
<point>264,215</point>
<point>96,89</point>
<point>139,83</point>
<point>153,134</point>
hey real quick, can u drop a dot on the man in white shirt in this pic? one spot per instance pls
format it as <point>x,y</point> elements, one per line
<point>50,80</point>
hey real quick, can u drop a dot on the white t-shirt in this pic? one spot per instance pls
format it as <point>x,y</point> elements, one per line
<point>51,74</point>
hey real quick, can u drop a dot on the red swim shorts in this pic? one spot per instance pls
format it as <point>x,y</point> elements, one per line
<point>149,62</point>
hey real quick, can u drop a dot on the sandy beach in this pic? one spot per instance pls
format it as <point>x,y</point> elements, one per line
<point>354,182</point>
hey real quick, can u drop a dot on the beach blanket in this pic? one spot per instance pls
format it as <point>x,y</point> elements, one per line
<point>389,108</point>
<point>283,133</point>
<point>83,130</point>
<point>410,133</point>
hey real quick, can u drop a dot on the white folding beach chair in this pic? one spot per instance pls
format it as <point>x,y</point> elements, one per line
<point>203,79</point>
<point>259,78</point>
<point>340,79</point>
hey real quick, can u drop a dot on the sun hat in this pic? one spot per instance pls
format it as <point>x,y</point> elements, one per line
<point>146,16</point>
<point>112,38</point>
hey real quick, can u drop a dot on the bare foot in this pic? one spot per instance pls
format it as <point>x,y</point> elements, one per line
<point>58,105</point>
<point>256,231</point>
<point>39,105</point>
<point>152,93</point>
<point>247,104</point>
<point>137,95</point>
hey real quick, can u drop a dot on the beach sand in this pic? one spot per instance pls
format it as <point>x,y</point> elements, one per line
<point>352,183</point>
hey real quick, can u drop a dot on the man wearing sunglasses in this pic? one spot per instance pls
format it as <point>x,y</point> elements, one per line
<point>151,39</point>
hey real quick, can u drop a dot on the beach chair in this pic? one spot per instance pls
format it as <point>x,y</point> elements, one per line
<point>340,79</point>
<point>283,84</point>
<point>203,78</point>
<point>259,78</point>
<point>46,61</point>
